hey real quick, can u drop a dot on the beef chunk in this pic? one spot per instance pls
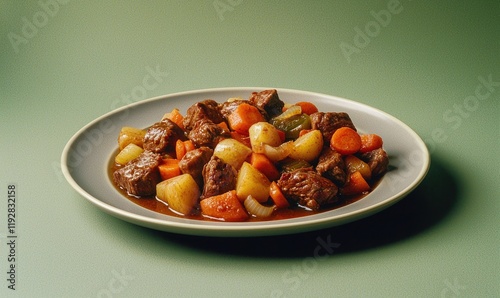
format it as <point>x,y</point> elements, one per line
<point>161,135</point>
<point>308,188</point>
<point>140,176</point>
<point>193,162</point>
<point>377,160</point>
<point>332,166</point>
<point>206,109</point>
<point>206,133</point>
<point>218,177</point>
<point>329,122</point>
<point>269,101</point>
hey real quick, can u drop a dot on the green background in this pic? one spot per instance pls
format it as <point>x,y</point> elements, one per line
<point>63,64</point>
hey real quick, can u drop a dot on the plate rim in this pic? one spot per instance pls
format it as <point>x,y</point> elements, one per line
<point>222,229</point>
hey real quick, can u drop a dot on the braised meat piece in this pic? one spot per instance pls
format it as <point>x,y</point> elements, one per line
<point>193,161</point>
<point>377,160</point>
<point>206,109</point>
<point>308,188</point>
<point>331,165</point>
<point>140,176</point>
<point>218,177</point>
<point>269,101</point>
<point>329,122</point>
<point>206,133</point>
<point>161,135</point>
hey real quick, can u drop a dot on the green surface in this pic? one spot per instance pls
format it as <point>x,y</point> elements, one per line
<point>66,64</point>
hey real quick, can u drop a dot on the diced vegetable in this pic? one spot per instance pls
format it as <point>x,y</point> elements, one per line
<point>256,209</point>
<point>304,131</point>
<point>224,127</point>
<point>183,147</point>
<point>275,153</point>
<point>232,152</point>
<point>289,112</point>
<point>308,147</point>
<point>307,107</point>
<point>355,185</point>
<point>277,196</point>
<point>264,165</point>
<point>225,207</point>
<point>129,135</point>
<point>181,193</point>
<point>354,164</point>
<point>176,117</point>
<point>264,133</point>
<point>128,153</point>
<point>252,182</point>
<point>243,117</point>
<point>244,139</point>
<point>292,125</point>
<point>345,141</point>
<point>169,168</point>
<point>370,142</point>
<point>180,149</point>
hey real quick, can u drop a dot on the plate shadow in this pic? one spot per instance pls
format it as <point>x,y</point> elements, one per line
<point>419,211</point>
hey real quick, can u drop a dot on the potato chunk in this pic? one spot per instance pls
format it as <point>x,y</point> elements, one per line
<point>130,135</point>
<point>181,193</point>
<point>128,153</point>
<point>307,147</point>
<point>232,152</point>
<point>264,133</point>
<point>252,182</point>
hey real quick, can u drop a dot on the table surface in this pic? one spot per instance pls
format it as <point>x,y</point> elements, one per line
<point>432,64</point>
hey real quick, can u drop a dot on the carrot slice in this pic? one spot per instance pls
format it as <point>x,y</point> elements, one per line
<point>281,134</point>
<point>180,149</point>
<point>243,117</point>
<point>224,126</point>
<point>307,107</point>
<point>370,142</point>
<point>244,139</point>
<point>356,185</point>
<point>169,168</point>
<point>264,165</point>
<point>345,141</point>
<point>277,196</point>
<point>225,207</point>
<point>176,117</point>
<point>189,145</point>
<point>304,131</point>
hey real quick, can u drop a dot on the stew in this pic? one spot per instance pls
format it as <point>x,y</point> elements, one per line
<point>247,160</point>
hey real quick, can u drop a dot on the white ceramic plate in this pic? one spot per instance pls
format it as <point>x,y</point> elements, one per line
<point>85,158</point>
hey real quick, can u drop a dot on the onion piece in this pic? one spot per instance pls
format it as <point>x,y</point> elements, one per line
<point>256,209</point>
<point>292,111</point>
<point>275,153</point>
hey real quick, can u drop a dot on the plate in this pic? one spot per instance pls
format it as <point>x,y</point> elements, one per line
<point>85,158</point>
